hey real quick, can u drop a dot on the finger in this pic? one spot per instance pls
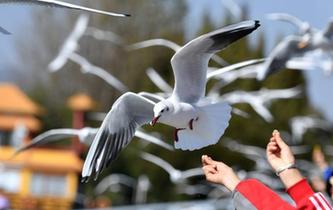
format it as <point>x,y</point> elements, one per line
<point>208,169</point>
<point>203,157</point>
<point>209,161</point>
<point>279,140</point>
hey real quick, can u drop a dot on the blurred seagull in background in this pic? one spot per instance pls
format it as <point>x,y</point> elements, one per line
<point>85,135</point>
<point>176,176</point>
<point>169,44</point>
<point>61,4</point>
<point>259,100</point>
<point>300,124</point>
<point>198,122</point>
<point>89,68</point>
<point>303,27</point>
<point>71,44</point>
<point>67,52</point>
<point>108,182</point>
<point>158,80</point>
<point>298,46</point>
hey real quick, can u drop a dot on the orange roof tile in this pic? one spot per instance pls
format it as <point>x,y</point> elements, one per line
<point>8,122</point>
<point>81,102</point>
<point>13,100</point>
<point>43,159</point>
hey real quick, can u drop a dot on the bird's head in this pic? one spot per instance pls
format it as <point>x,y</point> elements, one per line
<point>161,109</point>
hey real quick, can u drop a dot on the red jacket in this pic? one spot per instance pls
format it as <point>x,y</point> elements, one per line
<point>252,194</point>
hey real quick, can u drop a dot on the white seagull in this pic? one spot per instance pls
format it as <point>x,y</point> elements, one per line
<point>61,4</point>
<point>114,179</point>
<point>303,27</point>
<point>176,176</point>
<point>138,133</point>
<point>71,44</point>
<point>300,124</point>
<point>85,135</point>
<point>169,44</point>
<point>200,122</point>
<point>297,46</point>
<point>259,100</point>
<point>67,52</point>
<point>158,80</point>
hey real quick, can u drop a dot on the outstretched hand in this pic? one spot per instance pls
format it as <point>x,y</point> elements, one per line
<point>278,152</point>
<point>220,173</point>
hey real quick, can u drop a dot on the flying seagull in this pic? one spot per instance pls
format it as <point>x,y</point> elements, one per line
<point>297,46</point>
<point>198,122</point>
<point>300,124</point>
<point>303,27</point>
<point>85,136</point>
<point>68,52</point>
<point>259,100</point>
<point>61,4</point>
<point>176,176</point>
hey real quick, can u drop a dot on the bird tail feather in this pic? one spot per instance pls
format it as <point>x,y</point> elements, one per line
<point>212,121</point>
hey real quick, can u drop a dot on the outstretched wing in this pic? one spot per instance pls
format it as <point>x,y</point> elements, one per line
<point>60,4</point>
<point>49,136</point>
<point>70,45</point>
<point>4,31</point>
<point>191,61</point>
<point>127,113</point>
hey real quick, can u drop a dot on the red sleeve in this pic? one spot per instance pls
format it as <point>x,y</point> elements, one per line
<point>306,199</point>
<point>262,197</point>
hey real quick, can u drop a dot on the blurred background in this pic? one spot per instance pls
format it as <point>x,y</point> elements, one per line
<point>48,177</point>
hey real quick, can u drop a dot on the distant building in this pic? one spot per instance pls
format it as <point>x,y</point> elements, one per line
<point>40,178</point>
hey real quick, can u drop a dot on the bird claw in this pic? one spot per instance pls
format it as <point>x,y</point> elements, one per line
<point>190,124</point>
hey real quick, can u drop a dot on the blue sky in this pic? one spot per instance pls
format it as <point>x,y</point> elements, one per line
<point>317,13</point>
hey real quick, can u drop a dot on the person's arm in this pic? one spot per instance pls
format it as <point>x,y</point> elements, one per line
<point>306,199</point>
<point>219,173</point>
<point>248,194</point>
<point>252,194</point>
<point>282,160</point>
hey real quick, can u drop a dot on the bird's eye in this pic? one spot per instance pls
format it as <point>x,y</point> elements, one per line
<point>162,110</point>
<point>167,109</point>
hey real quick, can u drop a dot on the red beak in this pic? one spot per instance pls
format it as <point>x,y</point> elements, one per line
<point>154,121</point>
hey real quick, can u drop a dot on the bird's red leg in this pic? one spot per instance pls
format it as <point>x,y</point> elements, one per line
<point>190,123</point>
<point>175,133</point>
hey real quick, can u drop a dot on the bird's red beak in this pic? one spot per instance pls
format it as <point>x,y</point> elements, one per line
<point>154,121</point>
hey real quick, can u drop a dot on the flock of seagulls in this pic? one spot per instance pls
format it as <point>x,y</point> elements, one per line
<point>199,119</point>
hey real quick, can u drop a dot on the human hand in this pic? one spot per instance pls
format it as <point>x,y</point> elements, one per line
<point>220,173</point>
<point>279,154</point>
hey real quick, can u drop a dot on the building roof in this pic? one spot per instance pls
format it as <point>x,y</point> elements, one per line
<point>13,100</point>
<point>49,160</point>
<point>9,122</point>
<point>81,102</point>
